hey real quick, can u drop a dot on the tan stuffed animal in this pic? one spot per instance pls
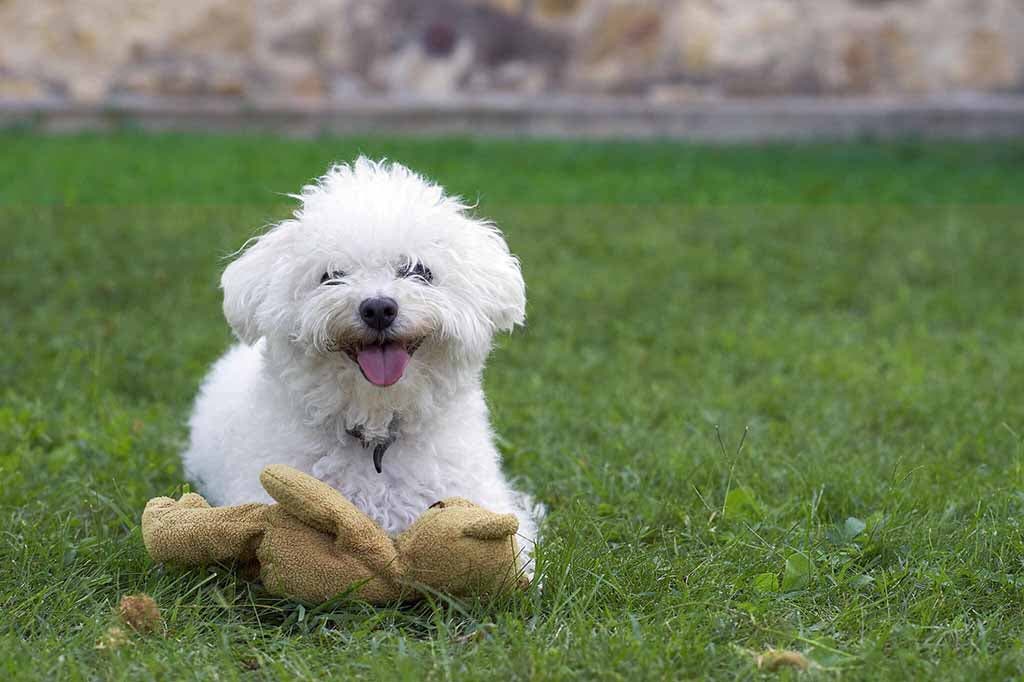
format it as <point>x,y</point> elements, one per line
<point>315,544</point>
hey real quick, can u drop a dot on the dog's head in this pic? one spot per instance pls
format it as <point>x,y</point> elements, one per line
<point>380,272</point>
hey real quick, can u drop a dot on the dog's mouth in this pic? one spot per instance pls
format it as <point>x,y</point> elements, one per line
<point>383,363</point>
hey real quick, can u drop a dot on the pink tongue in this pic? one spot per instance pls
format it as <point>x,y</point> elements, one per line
<point>383,365</point>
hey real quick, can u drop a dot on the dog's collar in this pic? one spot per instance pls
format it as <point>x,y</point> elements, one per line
<point>380,445</point>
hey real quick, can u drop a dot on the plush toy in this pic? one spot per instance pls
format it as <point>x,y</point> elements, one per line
<point>314,544</point>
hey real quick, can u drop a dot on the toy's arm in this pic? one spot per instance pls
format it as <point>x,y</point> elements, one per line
<point>190,531</point>
<point>318,505</point>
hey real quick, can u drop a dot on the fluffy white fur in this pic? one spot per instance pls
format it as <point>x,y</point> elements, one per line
<point>285,394</point>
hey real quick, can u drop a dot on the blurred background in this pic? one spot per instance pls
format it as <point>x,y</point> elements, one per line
<point>324,56</point>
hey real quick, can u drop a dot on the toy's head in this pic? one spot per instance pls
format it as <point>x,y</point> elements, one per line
<point>459,548</point>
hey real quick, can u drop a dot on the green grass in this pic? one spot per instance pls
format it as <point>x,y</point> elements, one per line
<point>859,307</point>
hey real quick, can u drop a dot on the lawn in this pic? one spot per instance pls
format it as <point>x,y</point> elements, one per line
<point>857,309</point>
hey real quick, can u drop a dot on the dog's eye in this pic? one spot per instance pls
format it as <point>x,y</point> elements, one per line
<point>417,270</point>
<point>331,278</point>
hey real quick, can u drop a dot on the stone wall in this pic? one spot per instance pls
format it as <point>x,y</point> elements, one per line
<point>664,50</point>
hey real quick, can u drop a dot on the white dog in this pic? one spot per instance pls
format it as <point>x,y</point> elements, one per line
<point>365,321</point>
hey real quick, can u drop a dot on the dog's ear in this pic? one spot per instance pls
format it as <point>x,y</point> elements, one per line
<point>511,310</point>
<point>500,281</point>
<point>246,282</point>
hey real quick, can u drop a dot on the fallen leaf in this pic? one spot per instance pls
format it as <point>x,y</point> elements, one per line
<point>140,613</point>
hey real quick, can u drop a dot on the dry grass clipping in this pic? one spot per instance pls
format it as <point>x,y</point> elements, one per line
<point>114,638</point>
<point>774,659</point>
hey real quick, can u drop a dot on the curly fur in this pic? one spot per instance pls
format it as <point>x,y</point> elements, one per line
<point>289,393</point>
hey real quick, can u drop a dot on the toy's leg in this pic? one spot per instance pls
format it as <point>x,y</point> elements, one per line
<point>189,531</point>
<point>320,506</point>
<point>299,562</point>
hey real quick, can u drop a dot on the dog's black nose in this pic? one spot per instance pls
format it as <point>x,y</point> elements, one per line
<point>378,313</point>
